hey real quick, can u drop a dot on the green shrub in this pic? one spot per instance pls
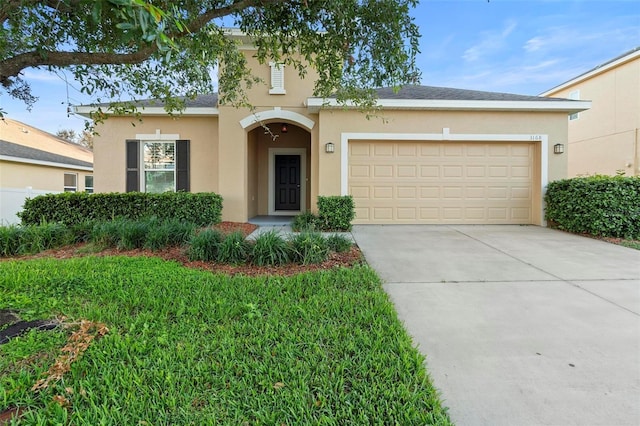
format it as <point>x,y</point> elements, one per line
<point>72,208</point>
<point>234,249</point>
<point>204,245</point>
<point>597,205</point>
<point>338,243</point>
<point>309,248</point>
<point>306,221</point>
<point>335,213</point>
<point>269,249</point>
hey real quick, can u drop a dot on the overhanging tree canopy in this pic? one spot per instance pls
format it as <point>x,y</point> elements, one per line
<point>130,49</point>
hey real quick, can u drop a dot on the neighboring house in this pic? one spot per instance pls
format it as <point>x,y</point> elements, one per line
<point>606,138</point>
<point>34,162</point>
<point>433,155</point>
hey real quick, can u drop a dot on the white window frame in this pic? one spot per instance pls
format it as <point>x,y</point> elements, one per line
<point>574,95</point>
<point>69,188</point>
<point>277,79</point>
<point>143,170</point>
<point>88,189</point>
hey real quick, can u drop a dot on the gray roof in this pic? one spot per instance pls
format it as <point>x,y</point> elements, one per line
<point>19,151</point>
<point>201,101</point>
<point>406,92</point>
<point>450,94</point>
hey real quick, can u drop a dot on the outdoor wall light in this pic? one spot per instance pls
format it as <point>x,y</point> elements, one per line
<point>558,148</point>
<point>284,128</point>
<point>329,147</point>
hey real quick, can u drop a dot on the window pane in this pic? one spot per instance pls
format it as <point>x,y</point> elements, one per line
<point>88,184</point>
<point>159,181</point>
<point>70,179</point>
<point>159,155</point>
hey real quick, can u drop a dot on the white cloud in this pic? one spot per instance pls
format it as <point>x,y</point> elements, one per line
<point>534,44</point>
<point>490,42</point>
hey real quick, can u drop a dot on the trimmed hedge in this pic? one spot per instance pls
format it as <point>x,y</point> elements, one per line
<point>598,205</point>
<point>72,208</point>
<point>335,213</point>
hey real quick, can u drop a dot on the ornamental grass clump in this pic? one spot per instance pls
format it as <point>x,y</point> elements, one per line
<point>167,233</point>
<point>106,234</point>
<point>132,234</point>
<point>309,248</point>
<point>204,246</point>
<point>270,249</point>
<point>339,243</point>
<point>9,240</point>
<point>234,249</point>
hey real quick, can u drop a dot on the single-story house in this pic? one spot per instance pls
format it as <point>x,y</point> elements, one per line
<point>606,138</point>
<point>34,162</point>
<point>430,155</point>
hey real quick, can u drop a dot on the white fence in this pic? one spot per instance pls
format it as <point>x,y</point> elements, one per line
<point>12,201</point>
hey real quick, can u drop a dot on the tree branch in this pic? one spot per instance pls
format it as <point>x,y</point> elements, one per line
<point>11,67</point>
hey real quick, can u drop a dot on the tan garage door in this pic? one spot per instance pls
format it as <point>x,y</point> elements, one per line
<point>436,182</point>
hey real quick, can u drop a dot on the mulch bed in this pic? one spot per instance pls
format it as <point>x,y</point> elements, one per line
<point>179,254</point>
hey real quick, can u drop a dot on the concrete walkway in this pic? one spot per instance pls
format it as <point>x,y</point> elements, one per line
<point>521,325</point>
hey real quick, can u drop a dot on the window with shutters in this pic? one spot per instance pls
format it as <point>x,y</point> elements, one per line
<point>157,166</point>
<point>277,79</point>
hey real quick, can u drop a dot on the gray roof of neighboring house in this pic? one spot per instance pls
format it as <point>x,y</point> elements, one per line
<point>14,150</point>
<point>610,61</point>
<point>450,94</point>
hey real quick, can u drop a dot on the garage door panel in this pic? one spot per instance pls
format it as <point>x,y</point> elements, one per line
<point>435,182</point>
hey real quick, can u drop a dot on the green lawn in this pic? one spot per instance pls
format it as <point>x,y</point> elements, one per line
<point>189,347</point>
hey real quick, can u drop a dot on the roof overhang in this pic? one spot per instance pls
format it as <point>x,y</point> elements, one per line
<point>44,163</point>
<point>598,70</point>
<point>86,111</point>
<point>569,106</point>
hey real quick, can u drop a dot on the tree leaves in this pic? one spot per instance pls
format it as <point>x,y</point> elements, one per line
<point>123,50</point>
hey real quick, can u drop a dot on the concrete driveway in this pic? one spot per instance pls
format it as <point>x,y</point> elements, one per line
<point>521,325</point>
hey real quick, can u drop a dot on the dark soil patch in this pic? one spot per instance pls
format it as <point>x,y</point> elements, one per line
<point>179,254</point>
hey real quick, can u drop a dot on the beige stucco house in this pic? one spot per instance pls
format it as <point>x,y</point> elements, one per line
<point>606,138</point>
<point>34,162</point>
<point>431,155</point>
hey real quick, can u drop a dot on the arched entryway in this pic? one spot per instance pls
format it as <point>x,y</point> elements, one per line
<point>278,169</point>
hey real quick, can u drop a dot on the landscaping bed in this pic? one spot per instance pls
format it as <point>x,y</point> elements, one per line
<point>180,254</point>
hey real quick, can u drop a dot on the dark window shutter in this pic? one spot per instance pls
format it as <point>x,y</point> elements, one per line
<point>182,166</point>
<point>133,165</point>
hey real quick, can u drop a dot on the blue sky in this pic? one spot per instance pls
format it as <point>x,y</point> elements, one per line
<point>513,46</point>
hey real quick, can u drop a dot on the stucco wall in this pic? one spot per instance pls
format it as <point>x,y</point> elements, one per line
<point>605,138</point>
<point>109,149</point>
